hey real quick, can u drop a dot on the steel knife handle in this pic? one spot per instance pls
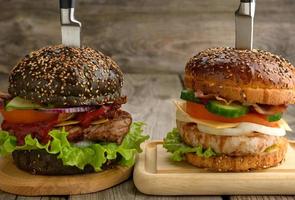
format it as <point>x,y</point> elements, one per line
<point>67,9</point>
<point>66,4</point>
<point>244,18</point>
<point>247,1</point>
<point>246,8</point>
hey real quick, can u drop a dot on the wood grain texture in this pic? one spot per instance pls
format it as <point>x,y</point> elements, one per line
<point>6,196</point>
<point>156,174</point>
<point>144,35</point>
<point>145,197</point>
<point>41,198</point>
<point>262,198</point>
<point>124,191</point>
<point>150,100</point>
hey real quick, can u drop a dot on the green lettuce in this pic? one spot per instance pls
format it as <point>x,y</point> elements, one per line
<point>95,154</point>
<point>173,143</point>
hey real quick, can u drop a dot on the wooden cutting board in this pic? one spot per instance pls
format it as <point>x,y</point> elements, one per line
<point>18,182</point>
<point>156,174</point>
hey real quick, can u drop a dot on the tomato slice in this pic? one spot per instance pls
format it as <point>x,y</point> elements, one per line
<point>199,111</point>
<point>27,116</point>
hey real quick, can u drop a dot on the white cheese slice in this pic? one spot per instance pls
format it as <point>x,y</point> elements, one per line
<point>242,129</point>
<point>182,115</point>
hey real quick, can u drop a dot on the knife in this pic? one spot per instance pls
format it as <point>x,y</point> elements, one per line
<point>70,27</point>
<point>244,24</point>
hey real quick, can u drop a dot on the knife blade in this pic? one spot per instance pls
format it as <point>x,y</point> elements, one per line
<point>244,18</point>
<point>70,27</point>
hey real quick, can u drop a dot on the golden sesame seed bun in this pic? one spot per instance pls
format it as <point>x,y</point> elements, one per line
<point>224,163</point>
<point>243,75</point>
<point>66,76</point>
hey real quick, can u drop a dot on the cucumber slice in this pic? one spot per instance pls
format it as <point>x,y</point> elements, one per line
<point>231,111</point>
<point>18,103</point>
<point>275,117</point>
<point>189,95</point>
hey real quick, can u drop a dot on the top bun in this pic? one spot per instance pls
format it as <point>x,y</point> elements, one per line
<point>242,75</point>
<point>66,76</point>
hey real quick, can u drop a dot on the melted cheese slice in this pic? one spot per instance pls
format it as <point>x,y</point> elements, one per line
<point>183,116</point>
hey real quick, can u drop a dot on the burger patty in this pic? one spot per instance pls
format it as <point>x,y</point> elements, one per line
<point>113,130</point>
<point>252,143</point>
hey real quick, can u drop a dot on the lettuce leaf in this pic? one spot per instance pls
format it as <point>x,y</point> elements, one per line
<point>7,143</point>
<point>174,145</point>
<point>95,154</point>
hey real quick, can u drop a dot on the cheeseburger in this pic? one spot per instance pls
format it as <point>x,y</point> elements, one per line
<point>230,115</point>
<point>63,113</point>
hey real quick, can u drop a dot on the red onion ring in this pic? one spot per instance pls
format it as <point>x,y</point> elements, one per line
<point>69,110</point>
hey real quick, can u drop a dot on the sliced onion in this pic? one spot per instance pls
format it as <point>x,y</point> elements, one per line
<point>268,109</point>
<point>200,94</point>
<point>69,110</point>
<point>1,103</point>
<point>224,100</point>
<point>205,97</point>
<point>5,96</point>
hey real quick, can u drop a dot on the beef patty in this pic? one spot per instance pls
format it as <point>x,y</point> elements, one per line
<point>114,130</point>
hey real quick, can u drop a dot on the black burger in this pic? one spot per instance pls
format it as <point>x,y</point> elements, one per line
<point>63,113</point>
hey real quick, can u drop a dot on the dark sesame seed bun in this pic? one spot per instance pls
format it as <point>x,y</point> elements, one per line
<point>243,75</point>
<point>66,76</point>
<point>42,163</point>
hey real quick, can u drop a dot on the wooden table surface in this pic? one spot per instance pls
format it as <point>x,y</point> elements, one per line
<point>151,40</point>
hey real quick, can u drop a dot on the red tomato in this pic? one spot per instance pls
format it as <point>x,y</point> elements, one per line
<point>27,116</point>
<point>199,111</point>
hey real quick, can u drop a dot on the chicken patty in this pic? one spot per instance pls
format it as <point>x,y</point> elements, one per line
<point>252,143</point>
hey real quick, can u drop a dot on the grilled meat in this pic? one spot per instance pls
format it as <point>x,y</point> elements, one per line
<point>113,130</point>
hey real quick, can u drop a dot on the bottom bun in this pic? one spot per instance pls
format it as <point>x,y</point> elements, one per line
<point>42,163</point>
<point>224,163</point>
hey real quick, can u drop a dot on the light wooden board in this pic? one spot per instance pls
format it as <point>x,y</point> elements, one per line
<point>156,174</point>
<point>16,181</point>
<point>262,197</point>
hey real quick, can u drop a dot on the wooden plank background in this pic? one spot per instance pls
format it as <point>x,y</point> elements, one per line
<point>151,40</point>
<point>144,36</point>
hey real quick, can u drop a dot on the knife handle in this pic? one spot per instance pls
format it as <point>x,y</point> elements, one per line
<point>67,9</point>
<point>246,8</point>
<point>66,4</point>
